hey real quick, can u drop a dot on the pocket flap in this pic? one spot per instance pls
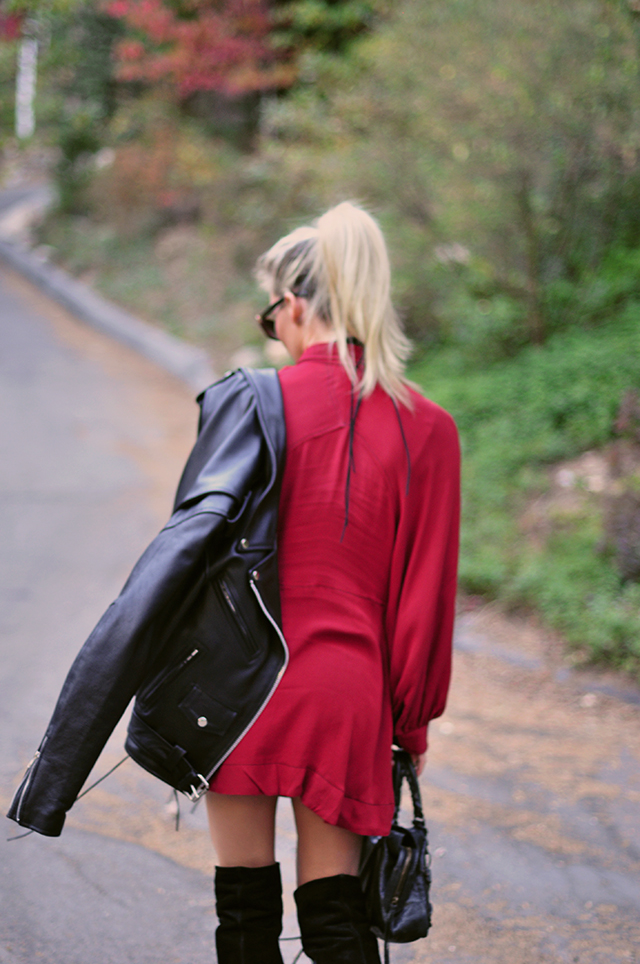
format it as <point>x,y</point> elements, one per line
<point>207,713</point>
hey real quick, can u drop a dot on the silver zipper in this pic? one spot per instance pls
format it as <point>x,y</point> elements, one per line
<point>169,675</point>
<point>202,789</point>
<point>227,596</point>
<point>239,621</point>
<point>28,775</point>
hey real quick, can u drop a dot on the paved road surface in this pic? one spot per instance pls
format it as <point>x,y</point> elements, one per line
<point>82,482</point>
<point>533,787</point>
<point>11,197</point>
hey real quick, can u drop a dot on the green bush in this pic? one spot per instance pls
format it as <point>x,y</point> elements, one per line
<point>8,52</point>
<point>78,140</point>
<point>506,130</point>
<point>515,417</point>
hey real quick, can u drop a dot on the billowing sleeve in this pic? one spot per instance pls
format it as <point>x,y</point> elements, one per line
<point>421,602</point>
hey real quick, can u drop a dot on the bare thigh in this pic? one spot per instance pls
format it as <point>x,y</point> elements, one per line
<point>323,850</point>
<point>243,835</point>
<point>242,829</point>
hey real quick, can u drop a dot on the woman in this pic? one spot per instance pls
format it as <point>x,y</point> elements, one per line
<point>367,542</point>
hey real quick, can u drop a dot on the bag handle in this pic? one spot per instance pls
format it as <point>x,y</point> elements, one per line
<point>403,769</point>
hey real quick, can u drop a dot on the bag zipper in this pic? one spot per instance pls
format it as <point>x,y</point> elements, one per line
<point>403,876</point>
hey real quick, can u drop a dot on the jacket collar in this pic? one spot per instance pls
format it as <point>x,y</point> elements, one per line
<point>242,419</point>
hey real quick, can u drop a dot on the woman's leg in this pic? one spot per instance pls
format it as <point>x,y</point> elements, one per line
<point>331,907</point>
<point>242,829</point>
<point>323,850</point>
<point>247,883</point>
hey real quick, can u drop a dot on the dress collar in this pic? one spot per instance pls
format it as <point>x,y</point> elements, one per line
<point>327,351</point>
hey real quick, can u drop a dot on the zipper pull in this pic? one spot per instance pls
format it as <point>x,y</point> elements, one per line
<point>32,761</point>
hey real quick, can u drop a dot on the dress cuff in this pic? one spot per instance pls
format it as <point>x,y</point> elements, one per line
<point>414,742</point>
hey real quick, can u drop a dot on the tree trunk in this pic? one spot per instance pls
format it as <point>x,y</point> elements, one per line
<point>26,88</point>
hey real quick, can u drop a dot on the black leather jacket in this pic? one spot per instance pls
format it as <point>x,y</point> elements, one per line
<point>195,632</point>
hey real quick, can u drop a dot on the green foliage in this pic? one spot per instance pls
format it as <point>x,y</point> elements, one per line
<point>41,9</point>
<point>579,592</point>
<point>8,53</point>
<point>600,291</point>
<point>80,57</point>
<point>506,129</point>
<point>516,416</point>
<point>80,95</point>
<point>326,25</point>
<point>76,58</point>
<point>78,141</point>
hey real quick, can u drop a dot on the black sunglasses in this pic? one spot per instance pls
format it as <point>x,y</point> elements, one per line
<point>267,323</point>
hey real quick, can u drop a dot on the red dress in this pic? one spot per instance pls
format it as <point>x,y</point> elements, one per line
<point>367,612</point>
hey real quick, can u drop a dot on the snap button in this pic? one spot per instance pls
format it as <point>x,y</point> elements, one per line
<point>202,721</point>
<point>255,575</point>
<point>244,543</point>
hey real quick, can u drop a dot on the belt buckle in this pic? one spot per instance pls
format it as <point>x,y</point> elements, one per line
<point>195,793</point>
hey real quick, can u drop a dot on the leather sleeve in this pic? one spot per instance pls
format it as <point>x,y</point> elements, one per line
<point>111,665</point>
<point>108,671</point>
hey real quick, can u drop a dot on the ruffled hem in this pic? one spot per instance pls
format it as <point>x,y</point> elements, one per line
<point>320,796</point>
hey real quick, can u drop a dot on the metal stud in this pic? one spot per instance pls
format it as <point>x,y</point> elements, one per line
<point>244,543</point>
<point>202,721</point>
<point>255,575</point>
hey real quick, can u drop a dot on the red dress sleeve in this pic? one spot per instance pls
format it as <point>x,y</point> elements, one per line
<point>421,602</point>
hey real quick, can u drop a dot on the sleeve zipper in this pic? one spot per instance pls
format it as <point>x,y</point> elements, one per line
<point>27,780</point>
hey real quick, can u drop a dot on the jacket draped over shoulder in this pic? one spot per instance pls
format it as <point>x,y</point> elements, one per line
<point>195,632</point>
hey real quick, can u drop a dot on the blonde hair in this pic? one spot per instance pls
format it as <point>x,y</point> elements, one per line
<point>340,264</point>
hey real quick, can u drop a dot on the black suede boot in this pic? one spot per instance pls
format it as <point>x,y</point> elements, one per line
<point>249,908</point>
<point>333,922</point>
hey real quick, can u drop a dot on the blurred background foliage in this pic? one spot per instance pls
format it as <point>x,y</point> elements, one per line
<point>499,145</point>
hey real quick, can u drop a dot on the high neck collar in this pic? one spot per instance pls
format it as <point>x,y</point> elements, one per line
<point>327,351</point>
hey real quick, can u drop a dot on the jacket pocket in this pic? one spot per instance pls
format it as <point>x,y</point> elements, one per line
<point>163,758</point>
<point>169,674</point>
<point>232,608</point>
<point>208,714</point>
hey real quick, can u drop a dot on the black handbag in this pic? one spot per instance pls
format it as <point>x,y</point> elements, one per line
<point>394,870</point>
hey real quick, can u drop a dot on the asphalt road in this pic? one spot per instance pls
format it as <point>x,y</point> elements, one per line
<point>11,197</point>
<point>532,791</point>
<point>81,452</point>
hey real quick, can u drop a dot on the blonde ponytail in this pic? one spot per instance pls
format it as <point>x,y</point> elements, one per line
<point>340,264</point>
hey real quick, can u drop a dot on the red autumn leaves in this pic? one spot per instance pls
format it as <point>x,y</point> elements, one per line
<point>221,45</point>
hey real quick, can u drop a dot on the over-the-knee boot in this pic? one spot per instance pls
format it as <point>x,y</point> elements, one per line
<point>333,922</point>
<point>249,908</point>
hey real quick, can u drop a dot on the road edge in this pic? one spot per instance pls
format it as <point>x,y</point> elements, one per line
<point>187,362</point>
